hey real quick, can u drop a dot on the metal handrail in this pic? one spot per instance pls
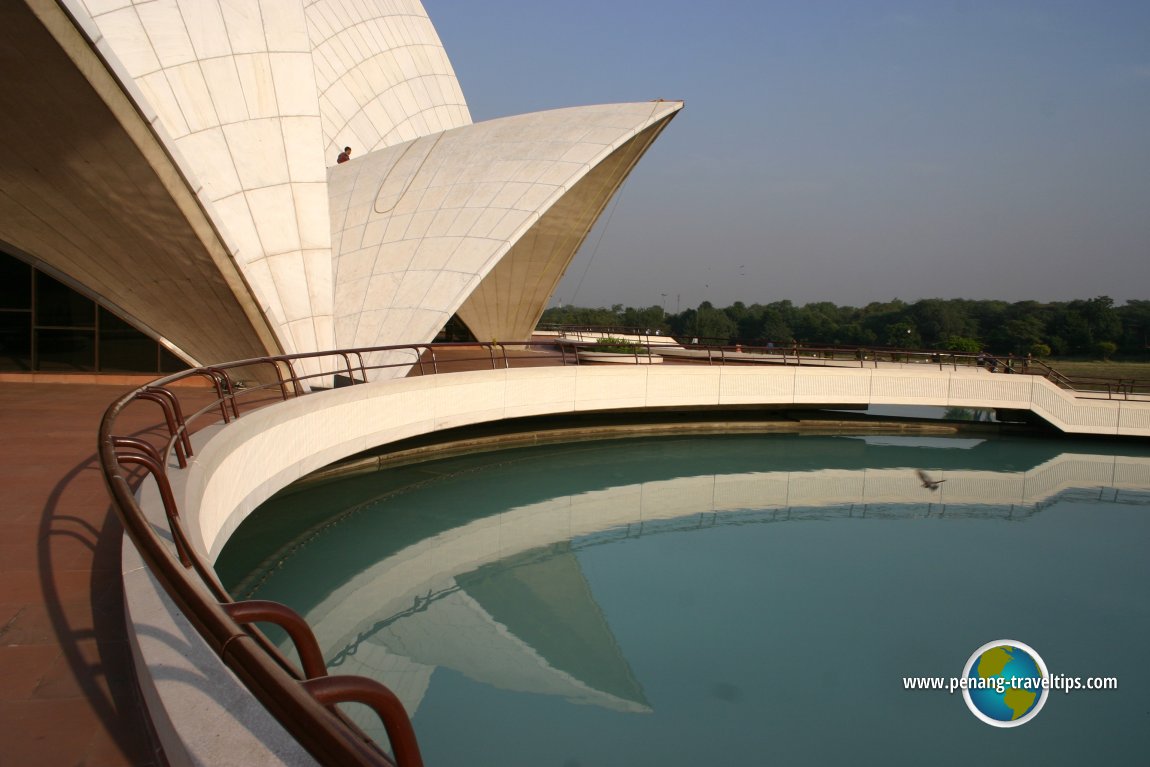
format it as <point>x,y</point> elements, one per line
<point>303,701</point>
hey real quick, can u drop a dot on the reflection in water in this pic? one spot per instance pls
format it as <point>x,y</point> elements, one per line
<point>498,568</point>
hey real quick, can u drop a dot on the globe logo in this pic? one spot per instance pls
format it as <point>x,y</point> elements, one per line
<point>1005,683</point>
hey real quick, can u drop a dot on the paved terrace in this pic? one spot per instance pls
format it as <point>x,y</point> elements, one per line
<point>69,695</point>
<point>69,692</point>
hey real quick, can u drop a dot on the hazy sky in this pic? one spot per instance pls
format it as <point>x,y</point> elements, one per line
<point>845,151</point>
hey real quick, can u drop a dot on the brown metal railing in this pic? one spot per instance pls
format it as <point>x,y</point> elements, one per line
<point>304,699</point>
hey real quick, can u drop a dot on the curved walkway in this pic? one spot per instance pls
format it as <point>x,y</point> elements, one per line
<point>69,693</point>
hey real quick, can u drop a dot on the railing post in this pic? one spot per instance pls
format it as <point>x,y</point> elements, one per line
<point>164,398</point>
<point>330,690</point>
<point>256,610</point>
<point>148,458</point>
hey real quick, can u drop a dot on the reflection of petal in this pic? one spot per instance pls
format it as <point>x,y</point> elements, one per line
<point>476,598</point>
<point>543,598</point>
<point>460,633</point>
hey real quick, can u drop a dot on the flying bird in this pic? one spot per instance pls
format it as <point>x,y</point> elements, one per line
<point>927,482</point>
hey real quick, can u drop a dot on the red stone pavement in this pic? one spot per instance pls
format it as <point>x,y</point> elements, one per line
<point>67,688</point>
<point>68,693</point>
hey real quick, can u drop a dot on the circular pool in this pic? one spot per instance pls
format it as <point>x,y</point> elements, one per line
<point>725,600</point>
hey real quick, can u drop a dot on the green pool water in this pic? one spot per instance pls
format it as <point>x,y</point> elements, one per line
<point>727,600</point>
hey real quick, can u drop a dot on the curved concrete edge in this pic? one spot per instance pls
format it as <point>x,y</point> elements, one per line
<point>237,467</point>
<point>202,714</point>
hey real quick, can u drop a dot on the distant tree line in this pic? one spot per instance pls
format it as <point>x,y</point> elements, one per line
<point>1092,327</point>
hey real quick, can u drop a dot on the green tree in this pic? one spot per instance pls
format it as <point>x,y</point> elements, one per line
<point>1105,349</point>
<point>903,335</point>
<point>962,344</point>
<point>713,325</point>
<point>938,320</point>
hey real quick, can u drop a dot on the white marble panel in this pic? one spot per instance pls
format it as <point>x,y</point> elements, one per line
<point>255,73</point>
<point>273,212</point>
<point>287,270</point>
<point>418,225</point>
<point>317,270</point>
<point>464,222</point>
<point>585,154</point>
<point>486,222</point>
<point>825,385</point>
<point>356,265</point>
<point>258,153</point>
<point>382,287</point>
<point>760,384</point>
<point>682,386</point>
<point>324,325</point>
<point>358,236</point>
<point>237,218</point>
<point>245,25</point>
<point>285,26</point>
<point>413,289</point>
<point>204,22</point>
<point>165,28</point>
<point>512,225</point>
<point>158,92</point>
<point>510,194</point>
<point>311,215</point>
<point>213,161</point>
<point>435,252</point>
<point>448,289</point>
<point>259,276</point>
<point>483,194</point>
<point>475,256</point>
<point>1001,390</point>
<point>905,387</point>
<point>125,33</point>
<point>1134,420</point>
<point>539,391</point>
<point>609,388</point>
<point>294,79</point>
<point>301,137</point>
<point>1053,405</point>
<point>303,336</point>
<point>468,397</point>
<point>195,99</point>
<point>440,223</point>
<point>227,93</point>
<point>99,7</point>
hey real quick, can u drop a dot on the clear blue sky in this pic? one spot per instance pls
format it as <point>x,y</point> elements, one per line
<point>844,151</point>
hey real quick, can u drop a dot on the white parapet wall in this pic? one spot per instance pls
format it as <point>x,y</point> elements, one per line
<point>271,448</point>
<point>238,467</point>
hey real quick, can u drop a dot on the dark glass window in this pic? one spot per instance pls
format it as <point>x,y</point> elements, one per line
<point>63,324</point>
<point>170,363</point>
<point>66,350</point>
<point>123,349</point>
<point>15,283</point>
<point>57,305</point>
<point>15,340</point>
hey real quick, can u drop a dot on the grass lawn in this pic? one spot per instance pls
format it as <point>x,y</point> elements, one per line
<point>1126,370</point>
